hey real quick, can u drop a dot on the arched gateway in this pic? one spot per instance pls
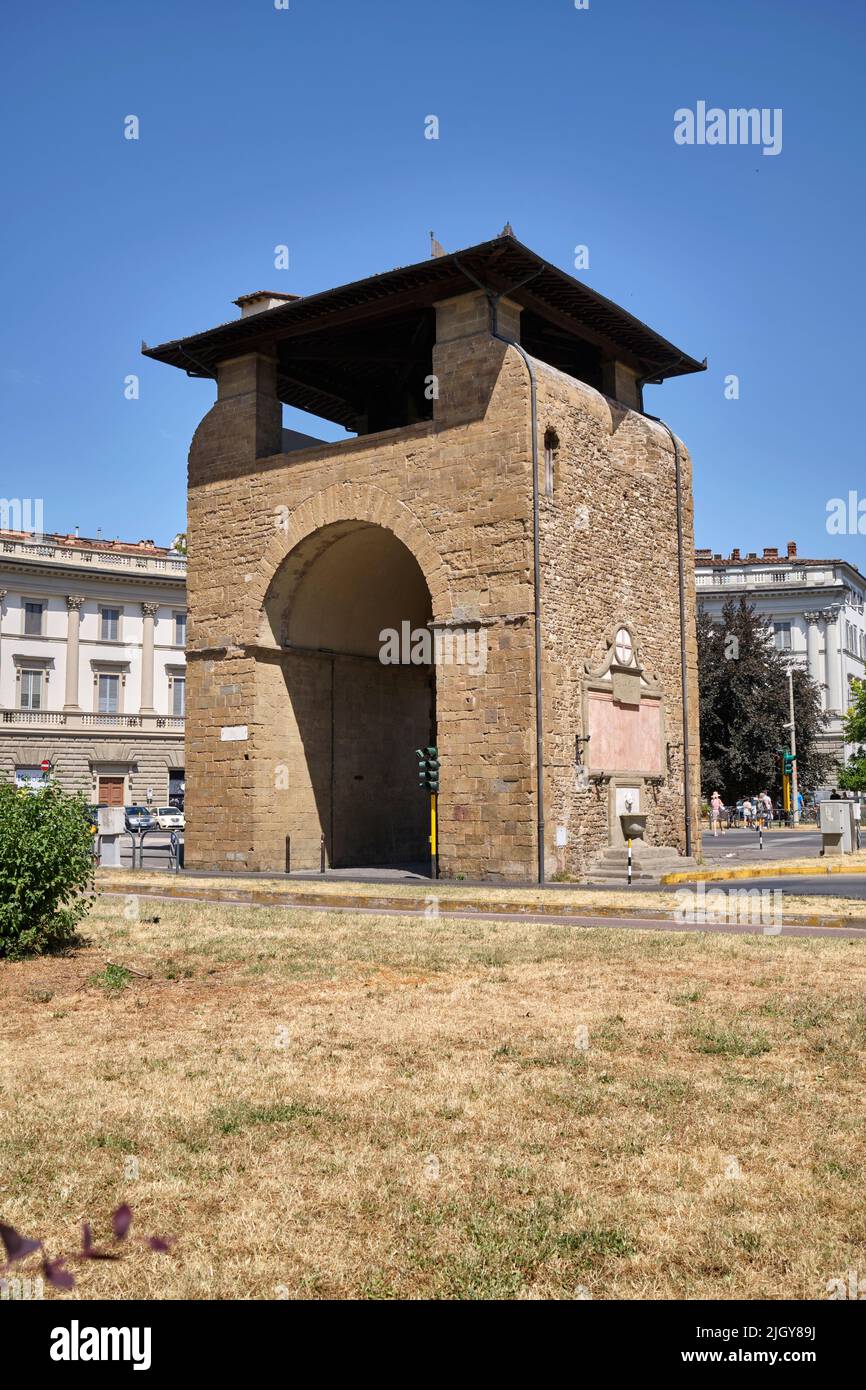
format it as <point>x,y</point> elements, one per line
<point>502,516</point>
<point>346,718</point>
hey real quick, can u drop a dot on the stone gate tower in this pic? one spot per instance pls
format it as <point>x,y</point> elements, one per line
<point>497,561</point>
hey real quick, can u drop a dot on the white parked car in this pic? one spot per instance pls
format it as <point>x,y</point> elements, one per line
<point>169,818</point>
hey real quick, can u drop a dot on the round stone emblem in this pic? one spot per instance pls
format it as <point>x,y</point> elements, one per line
<point>623,647</point>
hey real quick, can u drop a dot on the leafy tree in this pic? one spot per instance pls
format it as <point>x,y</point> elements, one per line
<point>743,682</point>
<point>854,719</point>
<point>852,775</point>
<point>46,866</point>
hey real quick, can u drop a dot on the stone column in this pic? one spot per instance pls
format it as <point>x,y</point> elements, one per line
<point>73,630</point>
<point>149,614</point>
<point>3,593</point>
<point>813,652</point>
<point>834,672</point>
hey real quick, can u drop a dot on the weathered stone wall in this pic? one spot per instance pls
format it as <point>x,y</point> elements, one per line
<point>455,492</point>
<point>458,492</point>
<point>608,556</point>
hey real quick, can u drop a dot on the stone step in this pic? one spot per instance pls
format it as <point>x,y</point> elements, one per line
<point>662,857</point>
<point>649,863</point>
<point>621,876</point>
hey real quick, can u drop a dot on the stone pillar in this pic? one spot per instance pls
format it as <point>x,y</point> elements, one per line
<point>251,410</point>
<point>834,672</point>
<point>813,653</point>
<point>621,382</point>
<point>73,630</point>
<point>467,359</point>
<point>3,593</point>
<point>149,614</point>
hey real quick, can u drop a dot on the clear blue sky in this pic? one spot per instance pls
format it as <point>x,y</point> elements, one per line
<point>306,127</point>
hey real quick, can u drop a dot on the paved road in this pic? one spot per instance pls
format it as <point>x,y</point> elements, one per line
<point>821,886</point>
<point>743,846</point>
<point>731,850</point>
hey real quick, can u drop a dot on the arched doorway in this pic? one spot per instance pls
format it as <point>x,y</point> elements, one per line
<point>347,722</point>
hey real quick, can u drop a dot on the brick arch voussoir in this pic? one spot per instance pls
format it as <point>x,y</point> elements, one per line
<point>357,502</point>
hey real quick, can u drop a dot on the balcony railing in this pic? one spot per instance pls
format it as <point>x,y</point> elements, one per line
<point>77,723</point>
<point>82,555</point>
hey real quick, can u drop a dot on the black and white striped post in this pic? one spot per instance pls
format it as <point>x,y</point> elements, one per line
<point>629,863</point>
<point>760,836</point>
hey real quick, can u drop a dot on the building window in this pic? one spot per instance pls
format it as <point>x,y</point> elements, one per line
<point>33,619</point>
<point>551,445</point>
<point>109,629</point>
<point>178,696</point>
<point>31,689</point>
<point>782,636</point>
<point>180,629</point>
<point>108,694</point>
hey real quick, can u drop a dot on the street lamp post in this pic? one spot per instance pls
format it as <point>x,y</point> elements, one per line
<point>795,790</point>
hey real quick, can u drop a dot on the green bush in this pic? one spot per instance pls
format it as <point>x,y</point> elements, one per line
<point>46,866</point>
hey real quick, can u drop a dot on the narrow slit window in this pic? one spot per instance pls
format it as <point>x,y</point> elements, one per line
<point>551,448</point>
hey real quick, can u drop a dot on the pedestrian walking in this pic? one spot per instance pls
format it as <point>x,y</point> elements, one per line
<point>717,806</point>
<point>748,813</point>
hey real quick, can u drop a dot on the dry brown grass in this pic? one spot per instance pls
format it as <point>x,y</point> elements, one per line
<point>290,1083</point>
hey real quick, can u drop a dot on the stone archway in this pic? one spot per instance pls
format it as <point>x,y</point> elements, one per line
<point>343,724</point>
<point>350,502</point>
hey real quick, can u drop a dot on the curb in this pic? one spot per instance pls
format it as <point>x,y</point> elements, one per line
<point>259,897</point>
<point>778,870</point>
<point>408,906</point>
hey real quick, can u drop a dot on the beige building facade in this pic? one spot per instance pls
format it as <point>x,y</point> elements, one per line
<point>93,666</point>
<point>814,610</point>
<point>506,509</point>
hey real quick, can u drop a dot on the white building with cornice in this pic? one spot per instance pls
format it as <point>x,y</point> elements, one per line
<point>92,665</point>
<point>814,609</point>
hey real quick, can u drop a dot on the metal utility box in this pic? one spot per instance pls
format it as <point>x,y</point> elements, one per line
<point>111,823</point>
<point>836,822</point>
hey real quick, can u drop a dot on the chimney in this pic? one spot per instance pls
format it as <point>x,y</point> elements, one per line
<point>771,552</point>
<point>792,550</point>
<point>735,554</point>
<point>261,300</point>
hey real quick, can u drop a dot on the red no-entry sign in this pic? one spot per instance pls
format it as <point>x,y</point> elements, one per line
<point>45,765</point>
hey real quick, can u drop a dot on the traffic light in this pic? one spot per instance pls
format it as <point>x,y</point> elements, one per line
<point>788,763</point>
<point>428,768</point>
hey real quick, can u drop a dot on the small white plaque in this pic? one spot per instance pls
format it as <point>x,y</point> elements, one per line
<point>561,836</point>
<point>234,733</point>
